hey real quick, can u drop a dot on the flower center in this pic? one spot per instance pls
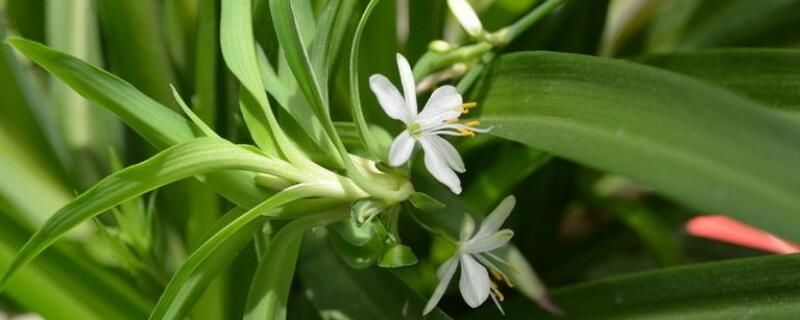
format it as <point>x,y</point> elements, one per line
<point>415,129</point>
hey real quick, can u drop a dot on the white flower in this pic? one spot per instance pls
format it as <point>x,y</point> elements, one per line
<point>466,16</point>
<point>438,117</point>
<point>474,255</point>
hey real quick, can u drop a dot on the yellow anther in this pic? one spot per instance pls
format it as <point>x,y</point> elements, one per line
<point>453,120</point>
<point>463,110</point>
<point>502,277</point>
<point>466,133</point>
<point>472,123</point>
<point>496,292</point>
<point>469,105</point>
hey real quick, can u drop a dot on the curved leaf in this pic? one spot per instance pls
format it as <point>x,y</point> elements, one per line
<point>770,76</point>
<point>269,291</point>
<point>159,125</point>
<point>177,297</point>
<point>756,288</point>
<point>693,142</point>
<point>150,119</point>
<point>181,161</point>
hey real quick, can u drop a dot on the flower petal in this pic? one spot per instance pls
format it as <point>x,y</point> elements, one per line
<point>441,106</point>
<point>445,274</point>
<point>496,240</point>
<point>409,86</point>
<point>438,167</point>
<point>496,219</point>
<point>401,149</point>
<point>448,152</point>
<point>466,16</point>
<point>467,228</point>
<point>389,98</point>
<point>474,282</point>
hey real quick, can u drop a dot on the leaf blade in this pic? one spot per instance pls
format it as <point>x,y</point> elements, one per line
<point>681,136</point>
<point>181,161</point>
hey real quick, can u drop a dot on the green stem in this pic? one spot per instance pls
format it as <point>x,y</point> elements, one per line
<point>431,62</point>
<point>442,235</point>
<point>516,29</point>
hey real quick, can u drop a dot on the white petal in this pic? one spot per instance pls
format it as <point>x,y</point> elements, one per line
<point>401,149</point>
<point>496,240</point>
<point>442,105</point>
<point>389,98</point>
<point>438,167</point>
<point>445,274</point>
<point>409,86</point>
<point>448,152</point>
<point>467,228</point>
<point>495,220</point>
<point>466,16</point>
<point>474,282</point>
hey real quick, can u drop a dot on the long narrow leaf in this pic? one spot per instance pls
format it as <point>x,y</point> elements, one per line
<point>159,125</point>
<point>269,292</point>
<point>768,75</point>
<point>181,161</point>
<point>691,141</point>
<point>175,300</point>
<point>756,288</point>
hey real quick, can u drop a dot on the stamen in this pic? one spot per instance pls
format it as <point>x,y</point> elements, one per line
<point>499,275</point>
<point>496,303</point>
<point>453,120</point>
<point>496,292</point>
<point>469,105</point>
<point>506,263</point>
<point>472,123</point>
<point>466,133</point>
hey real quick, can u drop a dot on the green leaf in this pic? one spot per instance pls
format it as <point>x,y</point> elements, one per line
<point>288,29</point>
<point>757,288</point>
<point>177,297</point>
<point>29,192</point>
<point>380,295</point>
<point>136,50</point>
<point>691,141</point>
<point>269,292</point>
<point>744,23</point>
<point>210,269</point>
<point>27,115</point>
<point>397,256</point>
<point>332,22</point>
<point>206,62</point>
<point>64,284</point>
<point>88,131</point>
<point>147,117</point>
<point>181,161</point>
<point>159,125</point>
<point>238,49</point>
<point>425,202</point>
<point>207,131</point>
<point>371,143</point>
<point>27,17</point>
<point>769,76</point>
